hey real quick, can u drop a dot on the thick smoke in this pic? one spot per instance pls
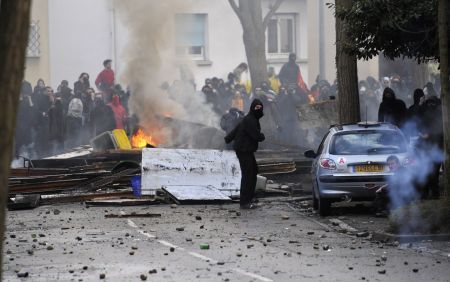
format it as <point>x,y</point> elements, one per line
<point>403,186</point>
<point>150,61</point>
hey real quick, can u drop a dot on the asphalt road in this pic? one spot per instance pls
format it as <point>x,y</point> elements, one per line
<point>273,243</point>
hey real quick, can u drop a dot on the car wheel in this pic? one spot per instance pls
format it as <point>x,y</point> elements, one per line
<point>324,206</point>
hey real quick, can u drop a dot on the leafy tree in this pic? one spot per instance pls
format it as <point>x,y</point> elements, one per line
<point>398,28</point>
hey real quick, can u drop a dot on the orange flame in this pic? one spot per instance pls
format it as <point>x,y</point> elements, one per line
<point>140,139</point>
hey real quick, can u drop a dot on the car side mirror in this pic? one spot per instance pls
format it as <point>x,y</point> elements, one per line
<point>310,154</point>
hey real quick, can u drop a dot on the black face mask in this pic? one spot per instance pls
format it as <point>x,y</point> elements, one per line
<point>258,113</point>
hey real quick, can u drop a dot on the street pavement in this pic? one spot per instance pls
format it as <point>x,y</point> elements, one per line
<point>279,241</point>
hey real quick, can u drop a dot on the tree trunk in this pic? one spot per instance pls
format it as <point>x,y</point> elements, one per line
<point>443,49</point>
<point>14,24</point>
<point>254,26</point>
<point>254,40</point>
<point>347,72</point>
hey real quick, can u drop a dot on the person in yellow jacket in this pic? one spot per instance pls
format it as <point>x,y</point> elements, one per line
<point>273,80</point>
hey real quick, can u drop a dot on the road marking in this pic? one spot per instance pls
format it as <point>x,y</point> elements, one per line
<point>132,224</point>
<point>194,254</point>
<point>142,232</point>
<point>202,257</point>
<point>165,243</point>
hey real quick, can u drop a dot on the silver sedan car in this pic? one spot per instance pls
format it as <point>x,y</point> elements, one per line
<point>351,162</point>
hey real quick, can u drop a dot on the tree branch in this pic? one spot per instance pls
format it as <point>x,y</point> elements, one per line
<point>236,9</point>
<point>271,12</point>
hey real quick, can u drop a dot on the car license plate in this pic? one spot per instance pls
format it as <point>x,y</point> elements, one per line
<point>369,168</point>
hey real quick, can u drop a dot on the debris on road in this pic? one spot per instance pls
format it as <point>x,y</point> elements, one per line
<point>146,215</point>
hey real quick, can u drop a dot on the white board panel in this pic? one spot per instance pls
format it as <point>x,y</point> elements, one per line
<point>189,167</point>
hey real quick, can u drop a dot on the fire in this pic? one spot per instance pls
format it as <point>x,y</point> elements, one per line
<point>140,139</point>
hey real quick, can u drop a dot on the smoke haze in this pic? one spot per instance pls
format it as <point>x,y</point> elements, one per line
<point>150,60</point>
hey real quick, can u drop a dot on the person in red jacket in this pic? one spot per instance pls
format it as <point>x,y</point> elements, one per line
<point>119,112</point>
<point>105,80</point>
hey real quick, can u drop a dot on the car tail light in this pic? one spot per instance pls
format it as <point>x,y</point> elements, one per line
<point>327,164</point>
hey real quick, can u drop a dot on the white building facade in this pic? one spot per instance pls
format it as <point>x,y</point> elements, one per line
<point>75,36</point>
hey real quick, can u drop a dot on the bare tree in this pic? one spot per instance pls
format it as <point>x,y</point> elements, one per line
<point>14,24</point>
<point>445,95</point>
<point>347,71</point>
<point>254,26</point>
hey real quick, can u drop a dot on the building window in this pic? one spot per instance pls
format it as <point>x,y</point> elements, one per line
<point>34,47</point>
<point>281,35</point>
<point>191,35</point>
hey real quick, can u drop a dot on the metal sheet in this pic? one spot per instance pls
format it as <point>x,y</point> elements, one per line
<point>187,167</point>
<point>196,193</point>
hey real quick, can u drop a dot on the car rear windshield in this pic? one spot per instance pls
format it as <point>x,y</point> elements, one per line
<point>365,142</point>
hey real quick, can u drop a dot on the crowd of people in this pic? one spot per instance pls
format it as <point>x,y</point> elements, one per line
<point>49,121</point>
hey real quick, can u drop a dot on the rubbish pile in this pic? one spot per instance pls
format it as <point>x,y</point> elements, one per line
<point>108,174</point>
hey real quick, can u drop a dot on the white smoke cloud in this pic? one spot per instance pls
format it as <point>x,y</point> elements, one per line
<point>149,58</point>
<point>404,187</point>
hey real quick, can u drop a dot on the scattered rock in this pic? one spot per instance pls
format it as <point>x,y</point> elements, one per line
<point>293,242</point>
<point>362,234</point>
<point>249,246</point>
<point>102,275</point>
<point>415,270</point>
<point>56,211</point>
<point>180,228</point>
<point>153,271</point>
<point>239,254</point>
<point>172,249</point>
<point>85,267</point>
<point>49,248</point>
<point>285,217</point>
<point>198,217</point>
<point>78,238</point>
<point>188,240</point>
<point>143,277</point>
<point>350,268</point>
<point>204,246</point>
<point>325,247</point>
<point>383,271</point>
<point>30,252</point>
<point>131,253</point>
<point>71,271</point>
<point>173,206</point>
<point>220,263</point>
<point>134,247</point>
<point>22,274</point>
<point>310,233</point>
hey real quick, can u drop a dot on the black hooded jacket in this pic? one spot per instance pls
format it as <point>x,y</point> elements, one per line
<point>247,133</point>
<point>392,110</point>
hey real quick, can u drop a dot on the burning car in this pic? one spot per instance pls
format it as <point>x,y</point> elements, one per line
<point>351,162</point>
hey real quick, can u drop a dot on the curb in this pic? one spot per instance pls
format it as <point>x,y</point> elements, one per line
<point>408,238</point>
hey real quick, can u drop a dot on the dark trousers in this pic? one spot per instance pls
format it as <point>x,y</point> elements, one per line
<point>432,184</point>
<point>249,171</point>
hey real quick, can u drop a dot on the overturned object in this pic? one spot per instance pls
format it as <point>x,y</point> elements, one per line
<point>195,194</point>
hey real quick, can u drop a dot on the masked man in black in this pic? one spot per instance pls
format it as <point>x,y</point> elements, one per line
<point>246,136</point>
